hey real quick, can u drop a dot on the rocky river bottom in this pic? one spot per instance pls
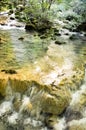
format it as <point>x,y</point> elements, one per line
<point>42,82</point>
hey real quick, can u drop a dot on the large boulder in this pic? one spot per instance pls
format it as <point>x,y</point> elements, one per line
<point>40,25</point>
<point>49,100</point>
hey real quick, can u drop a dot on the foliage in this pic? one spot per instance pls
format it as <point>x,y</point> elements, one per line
<point>46,8</point>
<point>37,9</point>
<point>3,3</point>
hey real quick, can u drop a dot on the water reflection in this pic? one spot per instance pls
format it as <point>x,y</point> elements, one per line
<point>17,52</point>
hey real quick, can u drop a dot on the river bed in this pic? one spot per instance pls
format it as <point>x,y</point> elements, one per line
<point>26,53</point>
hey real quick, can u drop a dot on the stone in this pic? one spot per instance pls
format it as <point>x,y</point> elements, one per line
<point>49,99</point>
<point>70,18</point>
<point>11,11</point>
<point>10,71</point>
<point>43,27</point>
<point>67,34</point>
<point>59,42</point>
<point>50,121</point>
<point>3,84</point>
<point>56,30</point>
<point>30,27</point>
<point>19,85</point>
<point>73,37</point>
<point>1,97</point>
<point>3,20</point>
<point>12,18</point>
<point>39,25</point>
<point>81,27</point>
<point>21,38</point>
<point>57,34</point>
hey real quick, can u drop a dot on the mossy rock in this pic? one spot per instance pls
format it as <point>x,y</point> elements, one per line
<point>10,71</point>
<point>46,99</point>
<point>3,85</point>
<point>30,27</point>
<point>55,101</point>
<point>44,25</point>
<point>39,25</point>
<point>19,85</point>
<point>11,11</point>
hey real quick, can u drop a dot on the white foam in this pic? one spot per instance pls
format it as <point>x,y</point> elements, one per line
<point>5,27</point>
<point>5,107</point>
<point>25,103</point>
<point>38,69</point>
<point>78,122</point>
<point>77,94</point>
<point>50,78</point>
<point>45,128</point>
<point>32,122</point>
<point>60,125</point>
<point>13,118</point>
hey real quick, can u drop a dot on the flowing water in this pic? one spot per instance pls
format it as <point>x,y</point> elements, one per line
<point>16,53</point>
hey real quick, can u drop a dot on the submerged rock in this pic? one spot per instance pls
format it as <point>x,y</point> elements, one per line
<point>59,42</point>
<point>9,71</point>
<point>49,99</point>
<point>21,38</point>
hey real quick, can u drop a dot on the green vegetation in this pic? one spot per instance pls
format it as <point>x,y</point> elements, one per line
<point>35,12</point>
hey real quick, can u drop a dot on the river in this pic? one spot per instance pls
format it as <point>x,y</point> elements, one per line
<point>20,50</point>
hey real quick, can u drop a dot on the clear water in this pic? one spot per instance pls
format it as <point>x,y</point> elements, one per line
<point>15,53</point>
